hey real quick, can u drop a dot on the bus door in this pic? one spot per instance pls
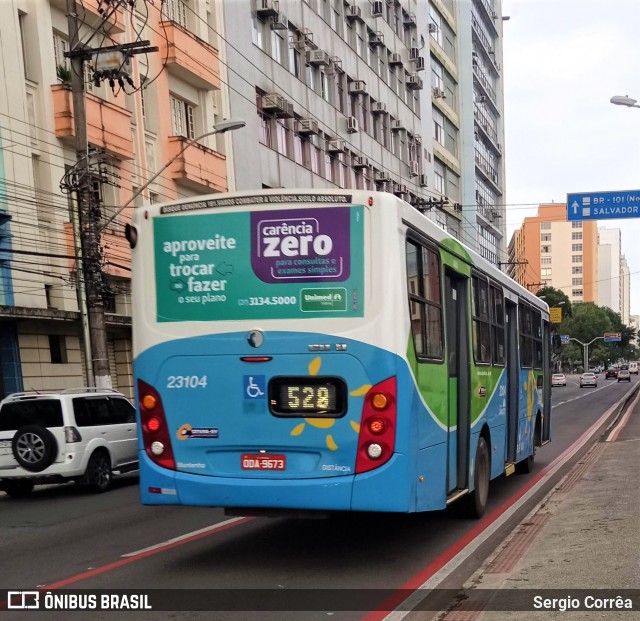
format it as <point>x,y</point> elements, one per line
<point>513,364</point>
<point>457,319</point>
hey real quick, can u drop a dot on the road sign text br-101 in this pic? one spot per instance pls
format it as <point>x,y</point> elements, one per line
<point>603,205</point>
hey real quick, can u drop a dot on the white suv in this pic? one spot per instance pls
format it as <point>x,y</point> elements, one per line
<point>85,434</point>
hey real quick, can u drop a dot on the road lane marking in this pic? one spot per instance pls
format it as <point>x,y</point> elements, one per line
<point>196,534</point>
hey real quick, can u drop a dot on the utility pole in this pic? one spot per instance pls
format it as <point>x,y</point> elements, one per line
<point>88,215</point>
<point>91,298</point>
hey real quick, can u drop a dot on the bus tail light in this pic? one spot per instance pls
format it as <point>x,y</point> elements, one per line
<point>155,432</point>
<point>376,441</point>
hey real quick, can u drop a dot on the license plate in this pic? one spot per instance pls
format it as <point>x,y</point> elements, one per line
<point>263,462</point>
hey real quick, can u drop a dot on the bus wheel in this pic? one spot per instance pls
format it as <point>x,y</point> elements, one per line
<point>481,475</point>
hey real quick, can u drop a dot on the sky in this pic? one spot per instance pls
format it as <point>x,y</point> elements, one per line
<point>563,61</point>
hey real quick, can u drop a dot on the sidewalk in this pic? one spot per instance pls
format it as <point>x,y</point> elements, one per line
<point>586,535</point>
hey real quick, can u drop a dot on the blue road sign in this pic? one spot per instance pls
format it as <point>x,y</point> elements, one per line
<point>603,205</point>
<point>564,339</point>
<point>612,337</point>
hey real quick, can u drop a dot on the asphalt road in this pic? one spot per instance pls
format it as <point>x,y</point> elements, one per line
<point>66,537</point>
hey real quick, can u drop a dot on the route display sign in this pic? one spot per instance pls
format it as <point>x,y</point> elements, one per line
<point>603,205</point>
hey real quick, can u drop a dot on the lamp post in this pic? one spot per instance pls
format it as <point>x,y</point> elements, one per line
<point>585,348</point>
<point>624,100</point>
<point>218,128</point>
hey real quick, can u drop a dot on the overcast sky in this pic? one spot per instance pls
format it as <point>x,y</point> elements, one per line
<point>563,61</point>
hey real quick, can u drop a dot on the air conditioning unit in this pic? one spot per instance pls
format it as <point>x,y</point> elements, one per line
<point>336,146</point>
<point>490,50</point>
<point>423,180</point>
<point>278,105</point>
<point>395,59</point>
<point>414,52</point>
<point>377,8</point>
<point>358,87</point>
<point>307,37</point>
<point>417,139</point>
<point>267,8</point>
<point>376,38</point>
<point>438,93</point>
<point>382,177</point>
<point>306,127</point>
<point>354,12</point>
<point>360,161</point>
<point>396,125</point>
<point>383,186</point>
<point>379,107</point>
<point>400,189</point>
<point>414,168</point>
<point>336,65</point>
<point>410,20</point>
<point>414,82</point>
<point>420,63</point>
<point>318,57</point>
<point>280,22</point>
<point>352,125</point>
<point>432,28</point>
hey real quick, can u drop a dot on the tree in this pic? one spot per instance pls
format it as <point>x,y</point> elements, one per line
<point>556,297</point>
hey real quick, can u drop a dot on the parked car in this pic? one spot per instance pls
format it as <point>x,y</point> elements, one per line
<point>624,375</point>
<point>633,368</point>
<point>81,435</point>
<point>588,379</point>
<point>611,373</point>
<point>558,379</point>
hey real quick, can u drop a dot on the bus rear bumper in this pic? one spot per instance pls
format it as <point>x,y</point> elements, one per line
<point>383,489</point>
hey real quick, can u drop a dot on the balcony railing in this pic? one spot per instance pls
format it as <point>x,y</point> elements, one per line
<point>108,125</point>
<point>199,167</point>
<point>193,59</point>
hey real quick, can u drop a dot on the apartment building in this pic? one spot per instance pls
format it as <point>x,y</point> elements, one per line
<point>547,250</point>
<point>625,291</point>
<point>610,277</point>
<point>396,95</point>
<point>132,132</point>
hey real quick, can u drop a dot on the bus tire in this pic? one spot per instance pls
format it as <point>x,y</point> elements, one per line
<point>481,477</point>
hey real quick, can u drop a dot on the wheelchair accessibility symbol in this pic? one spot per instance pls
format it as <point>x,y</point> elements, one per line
<point>254,387</point>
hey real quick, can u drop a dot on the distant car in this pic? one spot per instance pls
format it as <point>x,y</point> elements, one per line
<point>633,368</point>
<point>611,373</point>
<point>558,379</point>
<point>624,375</point>
<point>588,379</point>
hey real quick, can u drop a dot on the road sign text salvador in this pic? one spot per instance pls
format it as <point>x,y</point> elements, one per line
<point>603,205</point>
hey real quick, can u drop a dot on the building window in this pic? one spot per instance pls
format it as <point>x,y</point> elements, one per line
<point>576,225</point>
<point>176,11</point>
<point>576,270</point>
<point>58,349</point>
<point>257,31</point>
<point>545,237</point>
<point>545,225</point>
<point>294,56</point>
<point>576,247</point>
<point>545,249</point>
<point>546,271</point>
<point>545,261</point>
<point>576,258</point>
<point>576,281</point>
<point>276,46</point>
<point>438,126</point>
<point>576,235</point>
<point>182,118</point>
<point>577,293</point>
<point>23,43</point>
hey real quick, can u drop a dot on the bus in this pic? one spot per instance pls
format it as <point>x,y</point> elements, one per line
<point>326,351</point>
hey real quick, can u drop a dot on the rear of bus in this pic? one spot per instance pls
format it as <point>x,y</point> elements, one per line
<point>269,331</point>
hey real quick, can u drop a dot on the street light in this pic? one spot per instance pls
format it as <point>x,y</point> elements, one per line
<point>624,100</point>
<point>585,348</point>
<point>218,128</point>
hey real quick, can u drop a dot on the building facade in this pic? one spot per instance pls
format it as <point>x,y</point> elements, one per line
<point>136,122</point>
<point>610,281</point>
<point>549,251</point>
<point>402,96</point>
